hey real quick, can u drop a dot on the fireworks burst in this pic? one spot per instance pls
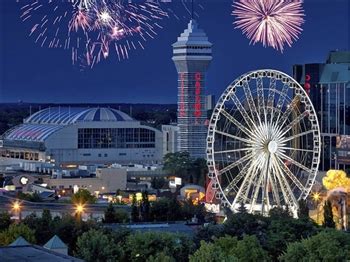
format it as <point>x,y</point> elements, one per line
<point>91,29</point>
<point>272,22</point>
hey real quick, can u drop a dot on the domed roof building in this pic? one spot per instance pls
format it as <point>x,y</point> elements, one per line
<point>72,135</point>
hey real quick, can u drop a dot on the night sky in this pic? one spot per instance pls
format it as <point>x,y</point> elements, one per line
<point>34,74</point>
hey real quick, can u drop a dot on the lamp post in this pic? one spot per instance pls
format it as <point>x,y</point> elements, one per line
<point>17,208</point>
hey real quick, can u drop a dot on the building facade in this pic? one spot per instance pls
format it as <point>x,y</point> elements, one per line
<point>170,139</point>
<point>192,54</point>
<point>66,137</point>
<point>328,85</point>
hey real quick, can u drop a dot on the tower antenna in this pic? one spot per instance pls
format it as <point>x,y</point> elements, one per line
<point>192,10</point>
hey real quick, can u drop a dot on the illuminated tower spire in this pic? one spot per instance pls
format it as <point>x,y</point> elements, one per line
<point>192,54</point>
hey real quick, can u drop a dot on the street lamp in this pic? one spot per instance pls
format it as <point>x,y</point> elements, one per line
<point>17,208</point>
<point>79,210</point>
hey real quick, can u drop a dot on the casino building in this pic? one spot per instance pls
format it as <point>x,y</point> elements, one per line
<point>192,54</point>
<point>69,136</point>
<point>328,86</point>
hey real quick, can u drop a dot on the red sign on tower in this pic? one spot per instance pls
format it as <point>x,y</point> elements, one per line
<point>182,111</point>
<point>197,105</point>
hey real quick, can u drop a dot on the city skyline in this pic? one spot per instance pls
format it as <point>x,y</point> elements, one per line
<point>47,75</point>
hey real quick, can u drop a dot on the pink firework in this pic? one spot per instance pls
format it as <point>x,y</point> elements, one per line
<point>272,22</point>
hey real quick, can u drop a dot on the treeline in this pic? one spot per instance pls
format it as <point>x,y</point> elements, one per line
<point>243,237</point>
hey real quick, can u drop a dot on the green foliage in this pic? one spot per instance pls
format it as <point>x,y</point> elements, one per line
<point>303,211</point>
<point>14,231</point>
<point>230,249</point>
<point>328,220</point>
<point>109,214</point>
<point>115,216</point>
<point>96,246</point>
<point>160,257</point>
<point>29,197</point>
<point>83,196</point>
<point>182,165</point>
<point>5,221</point>
<point>69,229</point>
<point>141,246</point>
<point>242,209</point>
<point>135,214</point>
<point>177,164</point>
<point>165,209</point>
<point>273,233</point>
<point>328,245</point>
<point>145,207</point>
<point>158,182</point>
<point>285,230</point>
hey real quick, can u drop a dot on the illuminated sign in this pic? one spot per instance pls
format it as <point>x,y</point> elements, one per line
<point>197,105</point>
<point>182,111</point>
<point>23,180</point>
<point>212,208</point>
<point>307,85</point>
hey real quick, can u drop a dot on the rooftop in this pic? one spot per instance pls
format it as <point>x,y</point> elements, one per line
<point>71,115</point>
<point>44,123</point>
<point>192,36</point>
<point>32,253</point>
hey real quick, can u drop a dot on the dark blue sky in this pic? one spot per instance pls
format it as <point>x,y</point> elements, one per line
<point>34,74</point>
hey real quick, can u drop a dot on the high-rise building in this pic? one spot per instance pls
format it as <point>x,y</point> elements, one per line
<point>328,85</point>
<point>170,139</point>
<point>210,102</point>
<point>192,54</point>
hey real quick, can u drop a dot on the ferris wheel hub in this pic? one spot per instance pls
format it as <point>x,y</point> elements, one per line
<point>272,147</point>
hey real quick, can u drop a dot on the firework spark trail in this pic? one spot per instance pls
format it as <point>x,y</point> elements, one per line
<point>272,22</point>
<point>89,28</point>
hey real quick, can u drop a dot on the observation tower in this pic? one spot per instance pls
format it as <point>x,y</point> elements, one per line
<point>192,54</point>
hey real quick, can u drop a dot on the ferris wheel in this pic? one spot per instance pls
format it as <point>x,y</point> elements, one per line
<point>263,144</point>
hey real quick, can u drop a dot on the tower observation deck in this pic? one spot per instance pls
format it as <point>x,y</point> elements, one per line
<point>192,54</point>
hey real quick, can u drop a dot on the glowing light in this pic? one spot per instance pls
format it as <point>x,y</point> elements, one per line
<point>16,206</point>
<point>273,23</point>
<point>79,208</point>
<point>90,28</point>
<point>316,196</point>
<point>335,179</point>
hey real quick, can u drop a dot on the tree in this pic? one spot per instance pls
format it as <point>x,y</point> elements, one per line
<point>230,249</point>
<point>69,229</point>
<point>242,209</point>
<point>284,230</point>
<point>158,182</point>
<point>109,214</point>
<point>115,216</point>
<point>328,245</point>
<point>5,221</point>
<point>177,164</point>
<point>182,165</point>
<point>134,209</point>
<point>328,215</point>
<point>2,180</point>
<point>166,209</point>
<point>96,246</point>
<point>145,207</point>
<point>141,246</point>
<point>14,231</point>
<point>303,211</point>
<point>82,197</point>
